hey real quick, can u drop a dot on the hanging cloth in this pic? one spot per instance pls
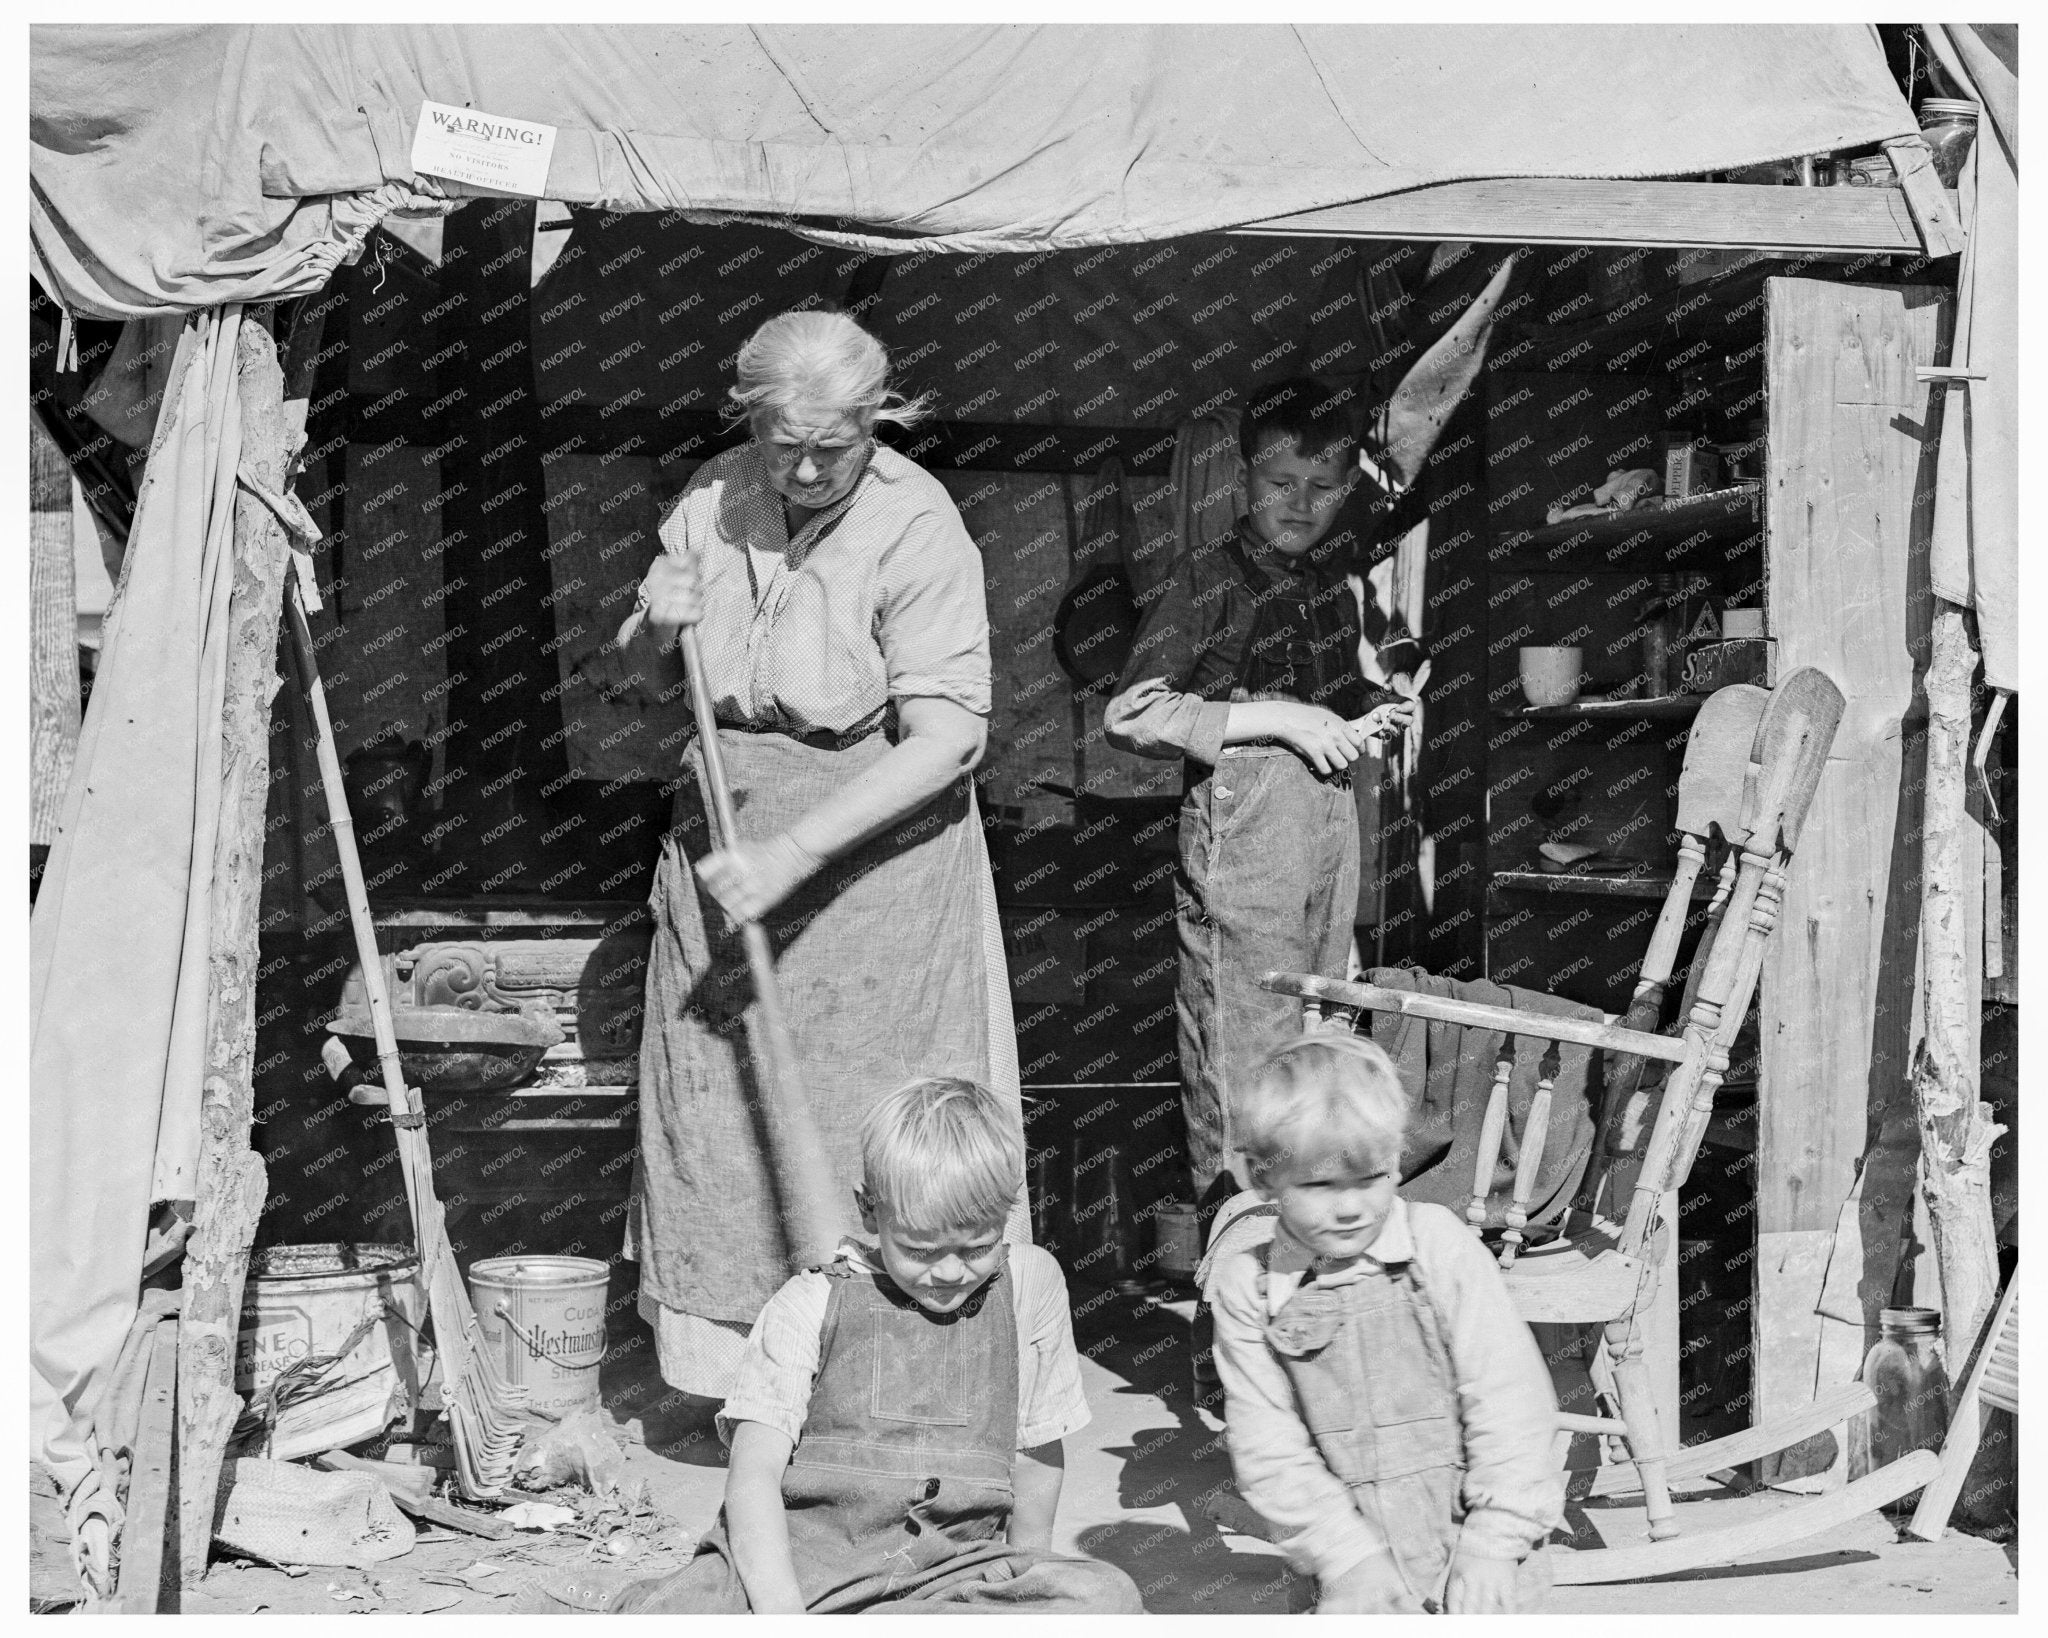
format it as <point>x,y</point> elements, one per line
<point>119,939</point>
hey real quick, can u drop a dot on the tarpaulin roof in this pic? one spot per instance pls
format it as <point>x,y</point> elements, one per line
<point>186,166</point>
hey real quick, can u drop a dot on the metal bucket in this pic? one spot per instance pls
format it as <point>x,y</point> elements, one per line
<point>1177,1240</point>
<point>308,1300</point>
<point>543,1317</point>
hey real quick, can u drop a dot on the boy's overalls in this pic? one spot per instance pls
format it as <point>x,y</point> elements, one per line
<point>1373,1379</point>
<point>898,1492</point>
<point>1268,850</point>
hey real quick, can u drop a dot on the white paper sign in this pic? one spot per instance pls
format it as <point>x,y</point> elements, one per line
<point>484,150</point>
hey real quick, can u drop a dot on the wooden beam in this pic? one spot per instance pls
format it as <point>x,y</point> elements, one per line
<point>231,1181</point>
<point>1956,1127</point>
<point>1681,215</point>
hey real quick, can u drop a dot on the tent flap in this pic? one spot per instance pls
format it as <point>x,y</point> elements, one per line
<point>185,166</point>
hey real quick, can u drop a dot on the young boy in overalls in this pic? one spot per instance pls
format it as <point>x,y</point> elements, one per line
<point>896,1423</point>
<point>1389,1415</point>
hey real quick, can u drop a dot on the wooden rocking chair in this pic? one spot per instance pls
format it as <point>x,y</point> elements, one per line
<point>1752,763</point>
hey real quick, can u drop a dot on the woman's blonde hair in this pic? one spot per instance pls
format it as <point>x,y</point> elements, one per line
<point>1325,1097</point>
<point>808,356</point>
<point>942,1153</point>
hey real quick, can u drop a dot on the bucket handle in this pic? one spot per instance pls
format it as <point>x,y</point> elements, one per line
<point>539,1352</point>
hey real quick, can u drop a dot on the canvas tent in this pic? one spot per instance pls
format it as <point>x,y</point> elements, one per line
<point>194,169</point>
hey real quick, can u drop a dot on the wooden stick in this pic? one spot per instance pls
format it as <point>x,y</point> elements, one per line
<point>796,1154</point>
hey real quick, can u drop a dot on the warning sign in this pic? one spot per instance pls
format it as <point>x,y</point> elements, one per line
<point>484,150</point>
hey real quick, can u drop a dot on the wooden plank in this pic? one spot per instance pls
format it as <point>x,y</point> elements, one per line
<point>149,1561</point>
<point>1847,508</point>
<point>1570,211</point>
<point>231,1182</point>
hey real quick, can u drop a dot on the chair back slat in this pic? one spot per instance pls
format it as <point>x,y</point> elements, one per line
<point>1493,1129</point>
<point>1535,1129</point>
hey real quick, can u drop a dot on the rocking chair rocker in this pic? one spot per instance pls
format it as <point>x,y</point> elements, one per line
<point>1753,761</point>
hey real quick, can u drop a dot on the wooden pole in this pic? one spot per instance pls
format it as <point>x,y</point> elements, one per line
<point>1956,1129</point>
<point>231,1180</point>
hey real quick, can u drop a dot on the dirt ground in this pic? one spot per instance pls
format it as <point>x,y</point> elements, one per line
<point>1137,1482</point>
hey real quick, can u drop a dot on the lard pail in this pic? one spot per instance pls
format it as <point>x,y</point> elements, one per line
<point>543,1320</point>
<point>308,1300</point>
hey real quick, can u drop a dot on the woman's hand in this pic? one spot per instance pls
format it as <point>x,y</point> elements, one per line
<point>1480,1586</point>
<point>753,878</point>
<point>675,596</point>
<point>1373,1586</point>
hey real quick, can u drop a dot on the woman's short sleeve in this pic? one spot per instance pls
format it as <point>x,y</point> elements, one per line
<point>931,615</point>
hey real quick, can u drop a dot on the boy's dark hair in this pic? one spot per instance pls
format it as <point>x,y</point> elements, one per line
<point>1314,418</point>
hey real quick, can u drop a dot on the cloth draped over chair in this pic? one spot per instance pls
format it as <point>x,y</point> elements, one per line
<point>1449,1070</point>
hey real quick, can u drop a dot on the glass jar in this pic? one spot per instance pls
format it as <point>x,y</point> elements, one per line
<point>1949,125</point>
<point>1904,1371</point>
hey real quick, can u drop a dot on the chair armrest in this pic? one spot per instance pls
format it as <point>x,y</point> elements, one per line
<point>1336,992</point>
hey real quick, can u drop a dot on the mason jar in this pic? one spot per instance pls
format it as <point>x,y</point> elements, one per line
<point>1904,1371</point>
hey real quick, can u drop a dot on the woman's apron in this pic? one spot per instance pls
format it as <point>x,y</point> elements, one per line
<point>883,965</point>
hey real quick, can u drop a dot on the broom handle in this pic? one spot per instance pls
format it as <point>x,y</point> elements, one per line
<point>796,1154</point>
<point>367,955</point>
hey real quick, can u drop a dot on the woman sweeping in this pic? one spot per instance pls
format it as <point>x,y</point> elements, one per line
<point>839,605</point>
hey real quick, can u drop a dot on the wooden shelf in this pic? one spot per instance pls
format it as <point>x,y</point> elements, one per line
<point>1592,887</point>
<point>1665,708</point>
<point>1673,532</point>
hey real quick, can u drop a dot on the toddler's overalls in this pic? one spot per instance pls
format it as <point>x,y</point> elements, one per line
<point>1373,1378</point>
<point>898,1491</point>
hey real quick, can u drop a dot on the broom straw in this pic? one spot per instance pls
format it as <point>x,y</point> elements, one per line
<point>482,1406</point>
<point>796,1155</point>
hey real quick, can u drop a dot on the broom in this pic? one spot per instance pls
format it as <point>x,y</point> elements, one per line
<point>483,1408</point>
<point>804,1190</point>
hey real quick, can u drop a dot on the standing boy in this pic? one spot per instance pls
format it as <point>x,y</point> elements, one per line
<point>1260,691</point>
<point>1256,683</point>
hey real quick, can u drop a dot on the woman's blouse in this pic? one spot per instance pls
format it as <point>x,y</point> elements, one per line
<point>877,598</point>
